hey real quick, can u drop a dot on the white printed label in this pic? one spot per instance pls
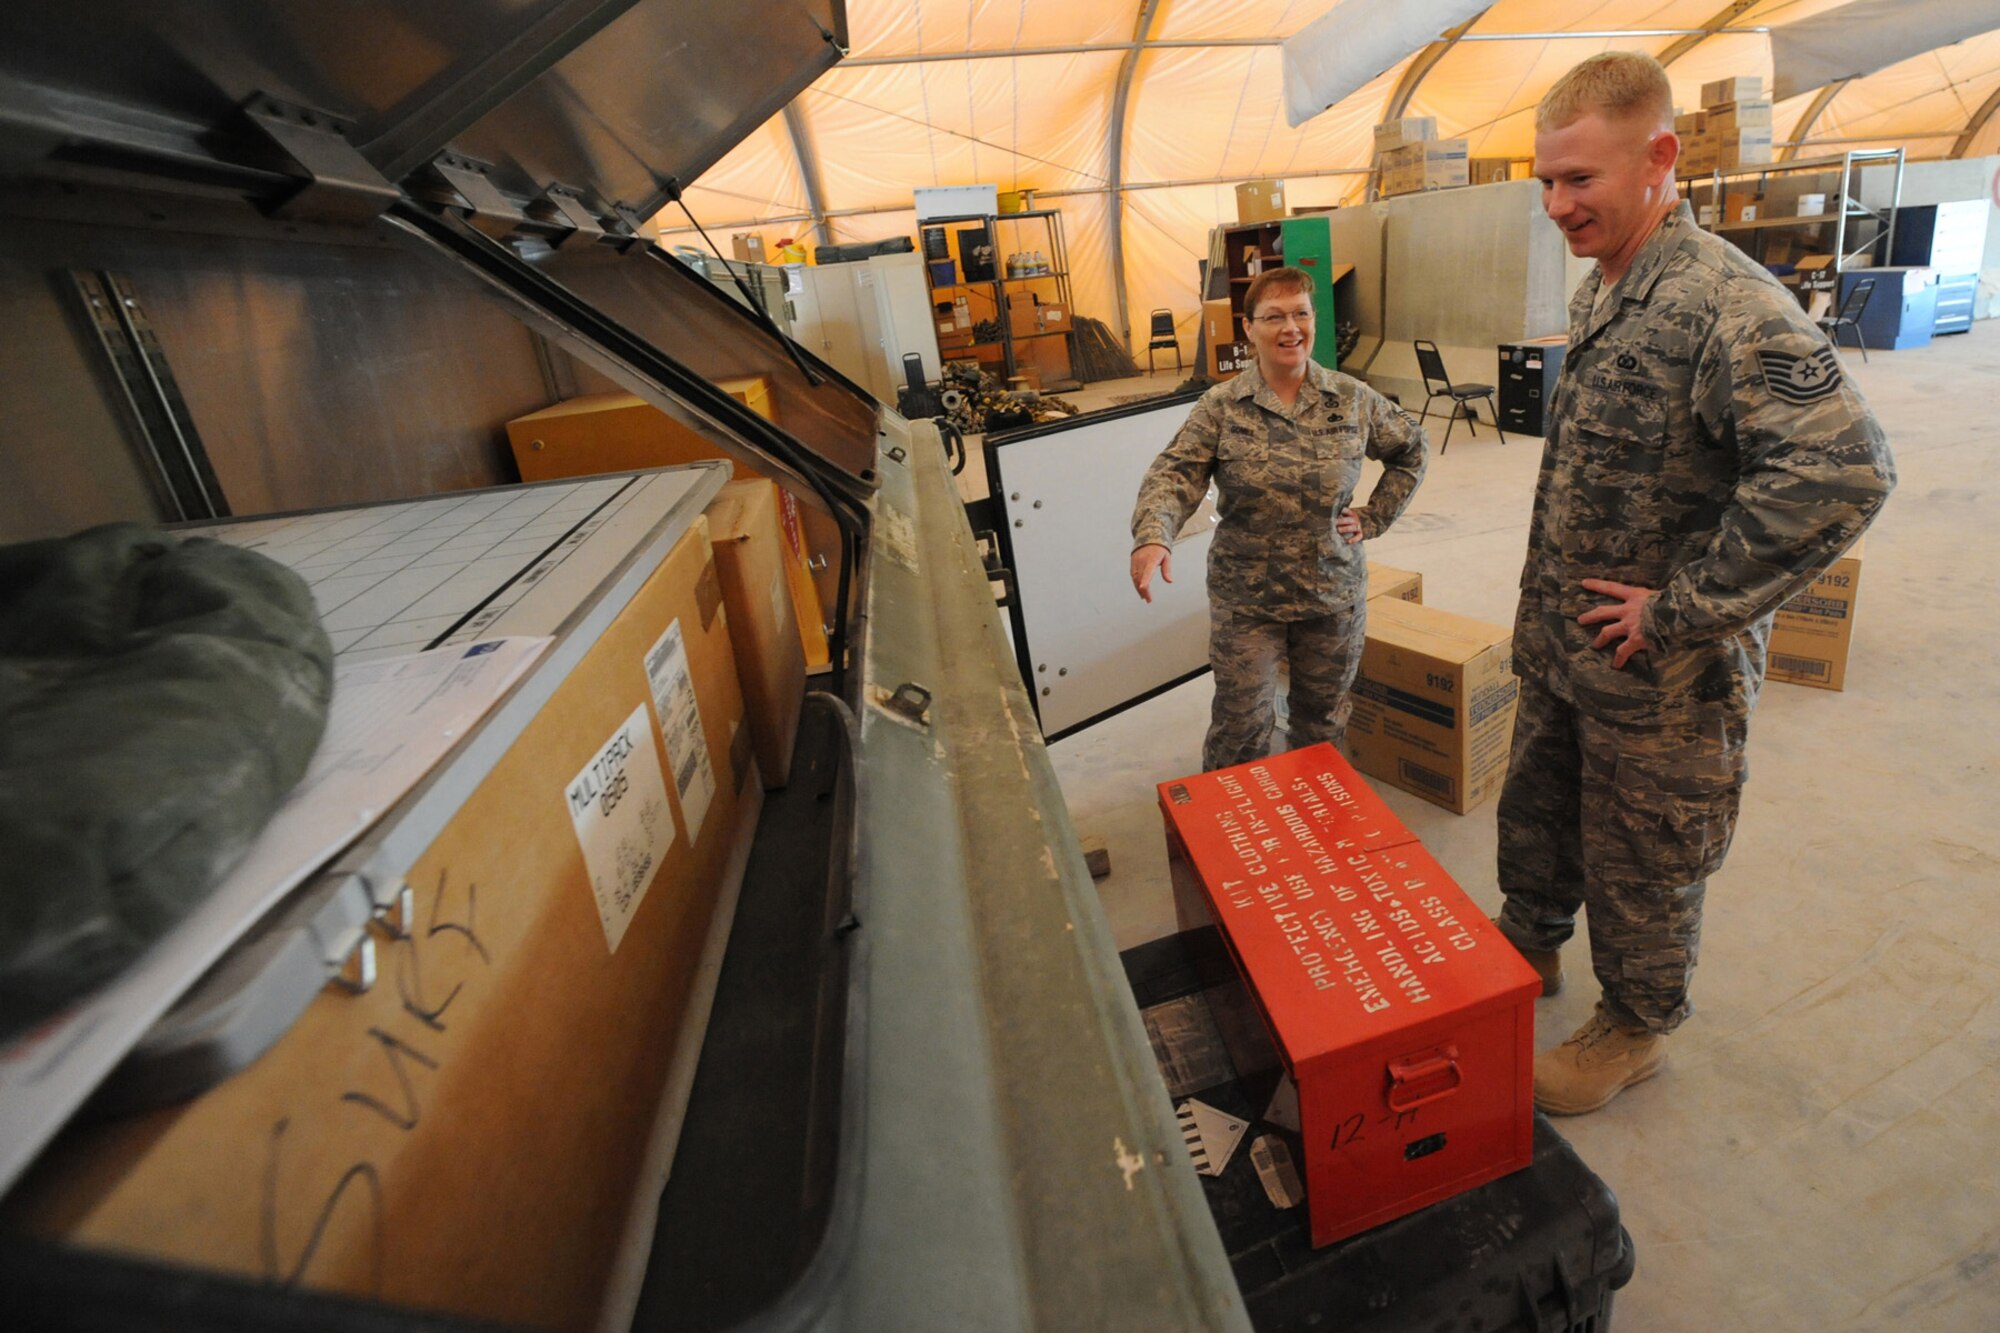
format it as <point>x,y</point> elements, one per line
<point>680,722</point>
<point>618,804</point>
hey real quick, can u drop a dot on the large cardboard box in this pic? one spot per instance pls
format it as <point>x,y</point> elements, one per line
<point>1690,122</point>
<point>1435,164</point>
<point>749,542</point>
<point>620,432</point>
<point>1260,201</point>
<point>1742,148</point>
<point>1699,154</point>
<point>1730,117</point>
<point>1434,703</point>
<point>1403,585</point>
<point>1218,325</point>
<point>1391,134</point>
<point>1741,88</point>
<point>480,1130</point>
<point>1813,631</point>
<point>1403,1019</point>
<point>748,247</point>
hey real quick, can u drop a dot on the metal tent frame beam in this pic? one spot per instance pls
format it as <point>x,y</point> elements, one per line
<point>1115,223</point>
<point>808,160</point>
<point>1980,118</point>
<point>1803,130</point>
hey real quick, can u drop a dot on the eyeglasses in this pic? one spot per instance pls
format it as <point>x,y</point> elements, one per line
<point>1278,321</point>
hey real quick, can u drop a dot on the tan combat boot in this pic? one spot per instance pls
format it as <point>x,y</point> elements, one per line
<point>1548,963</point>
<point>1602,1059</point>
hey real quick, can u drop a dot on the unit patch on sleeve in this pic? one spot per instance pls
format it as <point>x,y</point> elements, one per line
<point>1800,379</point>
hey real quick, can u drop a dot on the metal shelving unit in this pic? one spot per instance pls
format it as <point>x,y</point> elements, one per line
<point>995,288</point>
<point>1851,220</point>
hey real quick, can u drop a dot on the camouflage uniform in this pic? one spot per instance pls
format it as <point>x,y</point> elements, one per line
<point>1282,584</point>
<point>1704,442</point>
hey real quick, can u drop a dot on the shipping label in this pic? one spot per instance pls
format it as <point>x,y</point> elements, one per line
<point>680,722</point>
<point>618,805</point>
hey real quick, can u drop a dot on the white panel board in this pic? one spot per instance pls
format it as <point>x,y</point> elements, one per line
<point>1091,645</point>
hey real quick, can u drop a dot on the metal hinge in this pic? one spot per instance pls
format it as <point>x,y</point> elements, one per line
<point>491,211</point>
<point>340,185</point>
<point>562,206</point>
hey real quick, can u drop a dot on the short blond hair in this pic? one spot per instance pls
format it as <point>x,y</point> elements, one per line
<point>1620,84</point>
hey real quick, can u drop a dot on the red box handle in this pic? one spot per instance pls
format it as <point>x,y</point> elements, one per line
<point>1416,1080</point>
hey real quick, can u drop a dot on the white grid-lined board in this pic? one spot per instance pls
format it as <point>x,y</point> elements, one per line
<point>397,578</point>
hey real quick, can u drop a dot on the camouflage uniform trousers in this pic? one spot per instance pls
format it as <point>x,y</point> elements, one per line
<point>1244,652</point>
<point>1627,821</point>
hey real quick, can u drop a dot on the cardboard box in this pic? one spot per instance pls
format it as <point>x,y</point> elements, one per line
<point>1403,1019</point>
<point>1742,148</point>
<point>748,536</point>
<point>1048,356</point>
<point>1810,205</point>
<point>622,432</point>
<point>1741,207</point>
<point>1733,116</point>
<point>1218,326</point>
<point>748,247</point>
<point>1260,201</point>
<point>1488,170</point>
<point>1742,88</point>
<point>1404,585</point>
<point>1436,164</point>
<point>1690,122</point>
<point>1053,317</point>
<point>1434,703</point>
<point>1392,134</point>
<point>473,1133</point>
<point>1699,154</point>
<point>1813,631</point>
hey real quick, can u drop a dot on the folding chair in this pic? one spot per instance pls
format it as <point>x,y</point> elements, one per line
<point>1431,363</point>
<point>1163,336</point>
<point>1849,316</point>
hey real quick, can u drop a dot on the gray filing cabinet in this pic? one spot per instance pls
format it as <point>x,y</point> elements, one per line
<point>1950,238</point>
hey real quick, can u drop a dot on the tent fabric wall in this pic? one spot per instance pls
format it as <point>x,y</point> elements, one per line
<point>1206,111</point>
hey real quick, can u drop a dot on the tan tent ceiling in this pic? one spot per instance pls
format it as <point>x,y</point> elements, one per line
<point>1138,117</point>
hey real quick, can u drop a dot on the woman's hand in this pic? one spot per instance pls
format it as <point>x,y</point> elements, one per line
<point>1145,560</point>
<point>1348,525</point>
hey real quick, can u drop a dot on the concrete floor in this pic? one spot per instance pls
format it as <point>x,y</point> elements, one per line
<point>1823,1149</point>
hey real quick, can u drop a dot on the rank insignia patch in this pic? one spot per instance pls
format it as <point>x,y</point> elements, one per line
<point>1800,379</point>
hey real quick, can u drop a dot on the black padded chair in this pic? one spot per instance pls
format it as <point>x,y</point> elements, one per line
<point>1438,385</point>
<point>1163,336</point>
<point>1849,316</point>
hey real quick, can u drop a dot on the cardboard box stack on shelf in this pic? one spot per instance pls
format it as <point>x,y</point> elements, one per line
<point>1434,164</point>
<point>1733,128</point>
<point>1411,157</point>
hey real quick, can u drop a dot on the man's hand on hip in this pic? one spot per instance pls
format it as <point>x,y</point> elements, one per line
<point>1145,560</point>
<point>1619,618</point>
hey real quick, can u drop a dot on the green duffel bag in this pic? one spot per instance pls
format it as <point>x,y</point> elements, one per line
<point>159,696</point>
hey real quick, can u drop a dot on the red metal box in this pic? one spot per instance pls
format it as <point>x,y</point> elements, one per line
<point>1404,1018</point>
